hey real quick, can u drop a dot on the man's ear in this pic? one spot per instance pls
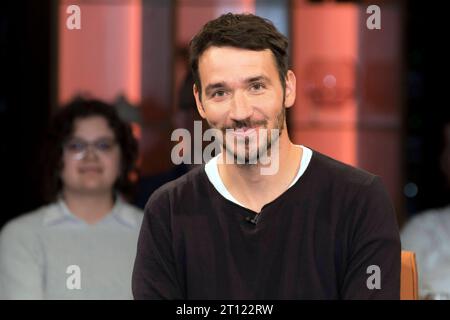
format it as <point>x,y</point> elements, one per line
<point>198,102</point>
<point>290,91</point>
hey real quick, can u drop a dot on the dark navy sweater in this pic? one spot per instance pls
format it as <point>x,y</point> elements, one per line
<point>332,235</point>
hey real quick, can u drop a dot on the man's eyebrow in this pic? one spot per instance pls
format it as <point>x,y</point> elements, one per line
<point>257,78</point>
<point>213,86</point>
<point>220,85</point>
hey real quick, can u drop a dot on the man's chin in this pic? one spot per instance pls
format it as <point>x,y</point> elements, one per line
<point>243,157</point>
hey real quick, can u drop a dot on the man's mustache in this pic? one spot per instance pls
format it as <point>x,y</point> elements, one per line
<point>246,124</point>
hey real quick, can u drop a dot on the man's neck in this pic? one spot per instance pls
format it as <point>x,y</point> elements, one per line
<point>253,189</point>
<point>90,207</point>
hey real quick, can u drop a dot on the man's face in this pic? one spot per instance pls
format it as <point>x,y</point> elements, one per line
<point>242,92</point>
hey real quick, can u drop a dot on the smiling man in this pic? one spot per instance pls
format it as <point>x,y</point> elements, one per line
<point>313,229</point>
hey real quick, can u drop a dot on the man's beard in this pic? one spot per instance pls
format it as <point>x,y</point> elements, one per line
<point>261,150</point>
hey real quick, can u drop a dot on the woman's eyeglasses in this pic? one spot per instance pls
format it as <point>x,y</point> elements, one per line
<point>78,148</point>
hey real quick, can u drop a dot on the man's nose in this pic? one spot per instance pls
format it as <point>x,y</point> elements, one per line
<point>241,108</point>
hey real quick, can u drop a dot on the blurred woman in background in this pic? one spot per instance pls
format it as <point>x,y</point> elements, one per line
<point>83,243</point>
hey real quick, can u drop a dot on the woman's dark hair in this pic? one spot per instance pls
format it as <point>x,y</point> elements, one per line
<point>245,31</point>
<point>60,130</point>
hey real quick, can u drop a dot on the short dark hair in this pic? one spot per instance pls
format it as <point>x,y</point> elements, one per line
<point>60,130</point>
<point>245,31</point>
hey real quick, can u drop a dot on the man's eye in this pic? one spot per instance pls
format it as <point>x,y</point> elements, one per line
<point>218,93</point>
<point>257,86</point>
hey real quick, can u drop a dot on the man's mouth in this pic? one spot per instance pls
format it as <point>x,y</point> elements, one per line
<point>243,131</point>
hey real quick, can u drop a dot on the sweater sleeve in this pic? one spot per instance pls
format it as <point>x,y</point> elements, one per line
<point>374,255</point>
<point>21,272</point>
<point>154,273</point>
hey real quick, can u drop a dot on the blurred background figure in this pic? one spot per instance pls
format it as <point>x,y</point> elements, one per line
<point>428,235</point>
<point>81,245</point>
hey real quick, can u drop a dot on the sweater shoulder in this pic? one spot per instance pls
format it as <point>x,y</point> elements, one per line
<point>26,224</point>
<point>342,173</point>
<point>181,187</point>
